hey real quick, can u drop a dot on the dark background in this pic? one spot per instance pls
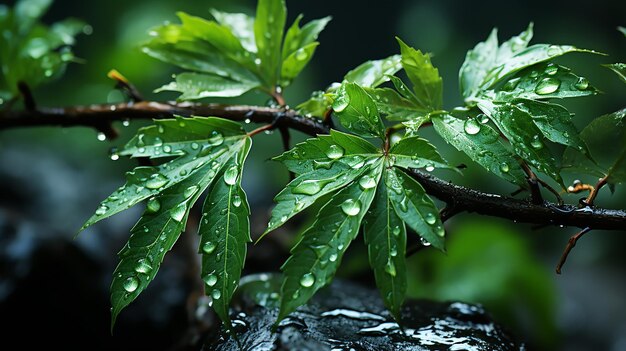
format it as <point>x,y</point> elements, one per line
<point>54,289</point>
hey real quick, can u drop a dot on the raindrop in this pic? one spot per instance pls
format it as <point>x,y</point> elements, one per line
<point>581,84</point>
<point>341,102</point>
<point>156,181</point>
<point>334,152</point>
<point>511,84</point>
<point>504,167</point>
<point>393,252</point>
<point>424,242</point>
<point>230,175</point>
<point>125,122</point>
<point>396,230</point>
<point>536,142</point>
<point>332,257</point>
<point>482,118</point>
<point>143,266</point>
<point>440,231</point>
<point>177,213</point>
<point>216,294</point>
<point>153,205</point>
<point>430,218</point>
<point>351,207</point>
<point>367,182</point>
<point>390,268</point>
<point>307,280</point>
<point>167,149</point>
<point>210,280</point>
<point>430,167</point>
<point>101,136</point>
<point>216,138</point>
<point>322,164</point>
<point>131,284</point>
<point>101,210</point>
<point>237,201</point>
<point>190,191</point>
<point>547,86</point>
<point>208,247</point>
<point>301,55</point>
<point>551,69</point>
<point>257,61</point>
<point>472,127</point>
<point>194,146</point>
<point>157,141</point>
<point>308,187</point>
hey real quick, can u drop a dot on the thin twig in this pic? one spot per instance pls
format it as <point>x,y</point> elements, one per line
<point>535,192</point>
<point>286,138</point>
<point>27,94</point>
<point>261,129</point>
<point>125,85</point>
<point>594,192</point>
<point>570,245</point>
<point>559,199</point>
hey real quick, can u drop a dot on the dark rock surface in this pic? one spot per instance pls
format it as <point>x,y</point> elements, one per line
<point>348,317</point>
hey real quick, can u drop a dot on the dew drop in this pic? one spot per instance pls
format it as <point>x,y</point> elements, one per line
<point>190,191</point>
<point>157,141</point>
<point>536,142</point>
<point>143,266</point>
<point>341,102</point>
<point>156,181</point>
<point>334,152</point>
<point>390,268</point>
<point>396,230</point>
<point>332,257</point>
<point>296,294</point>
<point>236,200</point>
<point>472,127</point>
<point>482,118</point>
<point>308,187</point>
<point>581,84</point>
<point>153,205</point>
<point>125,122</point>
<point>131,284</point>
<point>301,55</point>
<point>351,207</point>
<point>216,138</point>
<point>177,213</point>
<point>424,242</point>
<point>551,69</point>
<point>167,149</point>
<point>367,182</point>
<point>440,231</point>
<point>430,167</point>
<point>511,84</point>
<point>307,280</point>
<point>208,248</point>
<point>101,136</point>
<point>195,146</point>
<point>547,86</point>
<point>230,175</point>
<point>322,164</point>
<point>216,294</point>
<point>504,167</point>
<point>101,210</point>
<point>430,218</point>
<point>210,280</point>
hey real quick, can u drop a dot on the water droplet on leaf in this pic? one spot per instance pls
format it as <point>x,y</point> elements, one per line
<point>131,284</point>
<point>334,152</point>
<point>551,69</point>
<point>210,279</point>
<point>101,136</point>
<point>307,280</point>
<point>143,266</point>
<point>216,294</point>
<point>351,207</point>
<point>216,138</point>
<point>547,86</point>
<point>367,182</point>
<point>430,218</point>
<point>208,247</point>
<point>153,205</point>
<point>101,210</point>
<point>308,187</point>
<point>190,191</point>
<point>504,167</point>
<point>178,213</point>
<point>156,181</point>
<point>230,175</point>
<point>581,84</point>
<point>472,127</point>
<point>237,201</point>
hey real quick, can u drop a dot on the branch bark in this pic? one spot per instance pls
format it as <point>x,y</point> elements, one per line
<point>457,197</point>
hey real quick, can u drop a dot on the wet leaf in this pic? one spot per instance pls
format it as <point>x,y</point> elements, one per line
<point>269,26</point>
<point>358,112</point>
<point>427,84</point>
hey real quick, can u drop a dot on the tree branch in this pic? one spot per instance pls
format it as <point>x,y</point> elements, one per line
<point>461,198</point>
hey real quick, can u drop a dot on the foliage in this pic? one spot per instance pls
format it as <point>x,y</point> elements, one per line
<point>363,176</point>
<point>31,52</point>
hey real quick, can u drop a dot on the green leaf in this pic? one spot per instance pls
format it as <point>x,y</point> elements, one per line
<point>371,74</point>
<point>415,152</point>
<point>414,207</point>
<point>211,141</point>
<point>545,81</point>
<point>225,231</point>
<point>385,237</point>
<point>317,105</point>
<point>268,34</point>
<point>240,24</point>
<point>315,258</point>
<point>427,84</point>
<point>514,45</point>
<point>622,29</point>
<point>195,86</point>
<point>477,64</point>
<point>554,122</point>
<point>482,144</point>
<point>524,136</point>
<point>396,107</point>
<point>357,111</point>
<point>611,163</point>
<point>619,69</point>
<point>151,238</point>
<point>28,12</point>
<point>295,63</point>
<point>323,151</point>
<point>297,38</point>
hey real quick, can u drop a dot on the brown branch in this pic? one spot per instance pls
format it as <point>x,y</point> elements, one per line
<point>570,245</point>
<point>462,199</point>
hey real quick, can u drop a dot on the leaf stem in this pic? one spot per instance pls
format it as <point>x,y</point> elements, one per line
<point>594,191</point>
<point>570,245</point>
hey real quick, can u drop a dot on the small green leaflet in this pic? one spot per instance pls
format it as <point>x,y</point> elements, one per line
<point>612,160</point>
<point>619,69</point>
<point>482,144</point>
<point>414,207</point>
<point>415,152</point>
<point>225,232</point>
<point>31,52</point>
<point>234,53</point>
<point>400,104</point>
<point>269,26</point>
<point>315,258</point>
<point>324,165</point>
<point>524,136</point>
<point>385,237</point>
<point>427,84</point>
<point>206,152</point>
<point>545,81</point>
<point>358,112</point>
<point>371,74</point>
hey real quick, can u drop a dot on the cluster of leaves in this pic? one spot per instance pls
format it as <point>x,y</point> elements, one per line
<point>235,53</point>
<point>30,52</point>
<point>507,120</point>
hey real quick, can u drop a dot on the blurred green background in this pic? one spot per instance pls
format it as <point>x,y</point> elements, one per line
<point>507,267</point>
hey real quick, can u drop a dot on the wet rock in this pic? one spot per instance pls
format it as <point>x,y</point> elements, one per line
<point>348,317</point>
